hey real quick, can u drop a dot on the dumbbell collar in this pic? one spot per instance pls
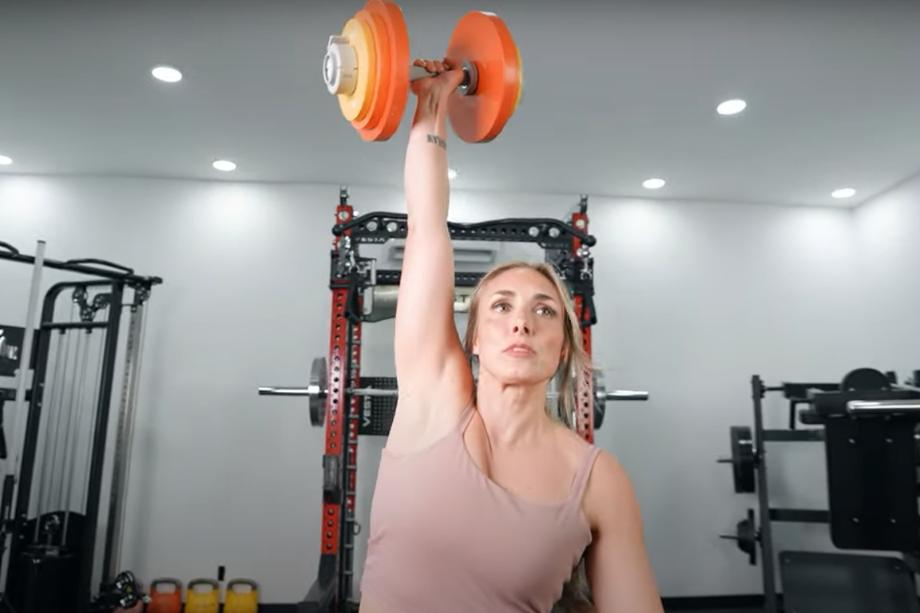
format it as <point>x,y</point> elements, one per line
<point>340,66</point>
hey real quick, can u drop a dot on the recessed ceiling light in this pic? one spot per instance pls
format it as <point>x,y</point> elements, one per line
<point>731,107</point>
<point>5,160</point>
<point>451,174</point>
<point>224,165</point>
<point>167,74</point>
<point>843,192</point>
<point>653,183</point>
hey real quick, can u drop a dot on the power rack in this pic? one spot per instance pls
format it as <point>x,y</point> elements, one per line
<point>361,294</point>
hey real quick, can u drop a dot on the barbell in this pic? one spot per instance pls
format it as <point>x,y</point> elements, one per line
<point>318,390</point>
<point>367,67</point>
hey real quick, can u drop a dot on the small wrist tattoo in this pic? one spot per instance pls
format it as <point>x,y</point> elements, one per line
<point>437,140</point>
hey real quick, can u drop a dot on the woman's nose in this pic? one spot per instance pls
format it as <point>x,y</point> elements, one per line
<point>521,325</point>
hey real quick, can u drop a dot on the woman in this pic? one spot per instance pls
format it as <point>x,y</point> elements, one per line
<point>484,500</point>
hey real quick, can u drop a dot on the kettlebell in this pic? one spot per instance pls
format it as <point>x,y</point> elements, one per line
<point>165,596</point>
<point>203,596</point>
<point>242,596</point>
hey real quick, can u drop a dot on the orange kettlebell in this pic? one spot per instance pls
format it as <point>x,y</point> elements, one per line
<point>165,596</point>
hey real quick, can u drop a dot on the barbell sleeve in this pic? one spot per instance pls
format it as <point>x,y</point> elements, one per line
<point>310,390</point>
<point>622,395</point>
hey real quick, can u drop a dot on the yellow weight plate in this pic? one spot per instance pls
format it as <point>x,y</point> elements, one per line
<point>358,103</point>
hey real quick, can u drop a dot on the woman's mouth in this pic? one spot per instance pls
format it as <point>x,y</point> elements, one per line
<point>520,350</point>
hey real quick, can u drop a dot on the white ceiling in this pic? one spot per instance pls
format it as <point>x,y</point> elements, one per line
<point>615,93</point>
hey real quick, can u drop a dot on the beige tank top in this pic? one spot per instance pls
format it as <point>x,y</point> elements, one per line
<point>446,538</point>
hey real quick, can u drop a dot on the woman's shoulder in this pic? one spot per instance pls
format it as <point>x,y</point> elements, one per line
<point>609,488</point>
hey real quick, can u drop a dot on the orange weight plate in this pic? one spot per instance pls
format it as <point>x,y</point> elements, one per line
<point>484,40</point>
<point>395,89</point>
<point>382,67</point>
<point>399,76</point>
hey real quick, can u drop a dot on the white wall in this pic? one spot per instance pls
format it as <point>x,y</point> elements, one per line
<point>693,298</point>
<point>888,228</point>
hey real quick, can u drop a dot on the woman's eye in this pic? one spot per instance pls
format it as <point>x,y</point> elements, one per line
<point>499,304</point>
<point>546,311</point>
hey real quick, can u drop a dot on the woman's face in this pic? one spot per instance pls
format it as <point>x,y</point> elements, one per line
<point>519,332</point>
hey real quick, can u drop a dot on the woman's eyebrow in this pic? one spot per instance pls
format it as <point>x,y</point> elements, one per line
<point>508,292</point>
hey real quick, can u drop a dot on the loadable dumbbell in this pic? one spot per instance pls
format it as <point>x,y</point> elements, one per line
<point>367,68</point>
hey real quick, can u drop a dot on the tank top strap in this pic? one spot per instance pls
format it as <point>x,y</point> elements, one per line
<point>584,472</point>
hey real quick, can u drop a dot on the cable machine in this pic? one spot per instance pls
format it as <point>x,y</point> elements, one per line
<point>51,496</point>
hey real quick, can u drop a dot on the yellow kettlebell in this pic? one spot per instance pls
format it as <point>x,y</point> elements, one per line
<point>203,596</point>
<point>242,596</point>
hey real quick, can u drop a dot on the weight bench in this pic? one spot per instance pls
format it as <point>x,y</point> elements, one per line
<point>842,583</point>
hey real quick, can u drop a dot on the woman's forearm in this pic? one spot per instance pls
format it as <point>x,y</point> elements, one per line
<point>426,167</point>
<point>426,183</point>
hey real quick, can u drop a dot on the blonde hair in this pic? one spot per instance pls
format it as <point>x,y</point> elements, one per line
<point>575,362</point>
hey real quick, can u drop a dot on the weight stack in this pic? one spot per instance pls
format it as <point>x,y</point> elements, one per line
<point>43,582</point>
<point>45,578</point>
